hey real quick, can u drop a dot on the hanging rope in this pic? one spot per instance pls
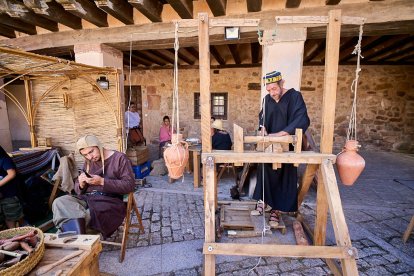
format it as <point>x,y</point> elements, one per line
<point>352,127</point>
<point>176,113</point>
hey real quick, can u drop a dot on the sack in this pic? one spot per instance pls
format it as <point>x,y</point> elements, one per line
<point>135,136</point>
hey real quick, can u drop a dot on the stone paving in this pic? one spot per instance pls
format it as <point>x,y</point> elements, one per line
<point>378,209</point>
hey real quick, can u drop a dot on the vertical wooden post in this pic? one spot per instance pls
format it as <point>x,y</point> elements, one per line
<point>120,117</point>
<point>144,119</point>
<point>204,65</point>
<point>29,111</point>
<point>333,35</point>
<point>209,213</point>
<point>238,141</point>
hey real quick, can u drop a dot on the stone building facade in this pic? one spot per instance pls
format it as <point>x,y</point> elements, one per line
<point>385,107</point>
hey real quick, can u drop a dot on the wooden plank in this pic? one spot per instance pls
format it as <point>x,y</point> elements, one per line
<point>234,22</point>
<point>300,235</point>
<point>234,50</point>
<point>307,179</point>
<point>204,62</point>
<point>298,140</point>
<point>87,10</point>
<point>307,157</point>
<point>277,250</point>
<point>342,237</point>
<point>196,168</point>
<point>209,213</point>
<point>119,9</point>
<point>17,24</point>
<point>151,9</point>
<point>7,31</point>
<point>85,242</point>
<point>238,141</point>
<point>409,229</point>
<point>184,8</point>
<point>321,213</point>
<point>217,7</point>
<point>271,139</point>
<point>216,54</point>
<point>320,20</point>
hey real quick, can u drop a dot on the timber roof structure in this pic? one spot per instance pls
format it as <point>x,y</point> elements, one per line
<point>143,29</point>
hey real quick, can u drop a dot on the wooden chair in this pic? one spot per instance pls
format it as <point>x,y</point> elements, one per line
<point>409,229</point>
<point>131,207</point>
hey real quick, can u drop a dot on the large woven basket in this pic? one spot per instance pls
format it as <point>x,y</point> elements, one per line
<point>27,264</point>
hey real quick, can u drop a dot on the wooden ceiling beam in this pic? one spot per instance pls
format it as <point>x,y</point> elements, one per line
<point>55,12</point>
<point>405,57</point>
<point>234,50</point>
<point>254,5</point>
<point>332,2</point>
<point>292,3</point>
<point>18,10</point>
<point>119,9</point>
<point>255,51</point>
<point>344,56</point>
<point>6,31</point>
<point>163,56</point>
<point>320,47</point>
<point>184,8</point>
<point>150,8</point>
<point>398,52</point>
<point>140,60</point>
<point>182,57</point>
<point>150,57</point>
<point>87,10</point>
<point>193,52</point>
<point>17,25</point>
<point>215,53</point>
<point>217,7</point>
<point>387,46</point>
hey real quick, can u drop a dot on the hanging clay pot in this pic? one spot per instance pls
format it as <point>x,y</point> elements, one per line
<point>349,163</point>
<point>176,158</point>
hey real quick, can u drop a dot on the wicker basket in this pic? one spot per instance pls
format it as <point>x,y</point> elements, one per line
<point>26,265</point>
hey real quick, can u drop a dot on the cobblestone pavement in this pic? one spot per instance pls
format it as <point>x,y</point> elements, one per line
<point>378,209</point>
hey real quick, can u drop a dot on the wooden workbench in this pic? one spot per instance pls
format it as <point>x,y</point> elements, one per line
<point>86,263</point>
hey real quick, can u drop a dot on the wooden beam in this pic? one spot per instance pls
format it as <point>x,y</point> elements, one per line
<point>55,12</point>
<point>306,157</point>
<point>381,19</point>
<point>149,57</point>
<point>217,7</point>
<point>140,60</point>
<point>204,71</point>
<point>319,47</point>
<point>385,46</point>
<point>150,8</point>
<point>119,9</point>
<point>254,5</point>
<point>193,52</point>
<point>399,52</point>
<point>182,57</point>
<point>184,8</point>
<point>332,2</point>
<point>19,10</point>
<point>346,54</point>
<point>161,54</point>
<point>87,10</point>
<point>17,25</point>
<point>292,3</point>
<point>234,50</point>
<point>279,250</point>
<point>217,55</point>
<point>255,52</point>
<point>7,31</point>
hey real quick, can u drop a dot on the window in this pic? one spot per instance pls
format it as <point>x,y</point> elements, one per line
<point>218,105</point>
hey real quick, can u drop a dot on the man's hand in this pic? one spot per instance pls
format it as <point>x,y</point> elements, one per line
<point>95,180</point>
<point>82,180</point>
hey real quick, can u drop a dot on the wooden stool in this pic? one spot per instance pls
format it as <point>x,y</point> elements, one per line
<point>131,207</point>
<point>409,229</point>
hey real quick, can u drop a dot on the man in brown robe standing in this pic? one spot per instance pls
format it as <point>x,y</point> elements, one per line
<point>100,188</point>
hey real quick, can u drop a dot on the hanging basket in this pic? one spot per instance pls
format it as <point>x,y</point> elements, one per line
<point>349,163</point>
<point>176,158</point>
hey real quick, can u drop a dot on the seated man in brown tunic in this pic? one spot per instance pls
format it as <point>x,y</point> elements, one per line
<point>100,188</point>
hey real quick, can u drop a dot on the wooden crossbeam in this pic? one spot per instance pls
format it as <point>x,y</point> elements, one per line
<point>254,5</point>
<point>292,3</point>
<point>17,9</point>
<point>234,50</point>
<point>151,9</point>
<point>87,10</point>
<point>279,250</point>
<point>7,31</point>
<point>216,55</point>
<point>17,24</point>
<point>308,157</point>
<point>54,12</point>
<point>349,20</point>
<point>184,8</point>
<point>217,7</point>
<point>119,9</point>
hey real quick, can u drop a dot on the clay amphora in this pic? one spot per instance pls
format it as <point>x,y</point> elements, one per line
<point>349,163</point>
<point>176,158</point>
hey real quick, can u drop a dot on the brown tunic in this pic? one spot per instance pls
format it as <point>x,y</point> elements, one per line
<point>107,213</point>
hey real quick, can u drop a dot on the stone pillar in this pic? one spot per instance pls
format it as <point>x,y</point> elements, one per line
<point>5,136</point>
<point>98,55</point>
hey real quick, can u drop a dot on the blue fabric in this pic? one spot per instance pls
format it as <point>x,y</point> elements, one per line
<point>9,189</point>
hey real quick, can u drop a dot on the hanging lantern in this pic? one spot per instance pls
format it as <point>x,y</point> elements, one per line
<point>349,163</point>
<point>176,158</point>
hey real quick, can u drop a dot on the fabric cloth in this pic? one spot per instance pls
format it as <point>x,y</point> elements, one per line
<point>10,209</point>
<point>10,188</point>
<point>132,119</point>
<point>67,172</point>
<point>221,141</point>
<point>280,186</point>
<point>28,162</point>
<point>107,213</point>
<point>165,133</point>
<point>69,207</point>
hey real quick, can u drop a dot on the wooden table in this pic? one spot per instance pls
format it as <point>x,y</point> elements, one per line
<point>87,263</point>
<point>195,150</point>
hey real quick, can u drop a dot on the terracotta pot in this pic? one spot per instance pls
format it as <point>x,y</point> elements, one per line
<point>176,158</point>
<point>349,163</point>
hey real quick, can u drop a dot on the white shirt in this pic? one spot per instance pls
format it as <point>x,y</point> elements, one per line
<point>132,119</point>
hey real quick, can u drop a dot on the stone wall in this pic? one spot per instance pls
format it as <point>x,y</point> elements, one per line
<point>385,110</point>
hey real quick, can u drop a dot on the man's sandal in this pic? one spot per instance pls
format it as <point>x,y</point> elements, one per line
<point>274,218</point>
<point>259,209</point>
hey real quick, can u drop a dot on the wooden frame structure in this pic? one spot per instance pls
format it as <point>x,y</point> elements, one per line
<point>328,197</point>
<point>59,74</point>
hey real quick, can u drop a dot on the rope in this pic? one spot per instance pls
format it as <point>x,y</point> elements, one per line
<point>176,113</point>
<point>352,127</point>
<point>130,91</point>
